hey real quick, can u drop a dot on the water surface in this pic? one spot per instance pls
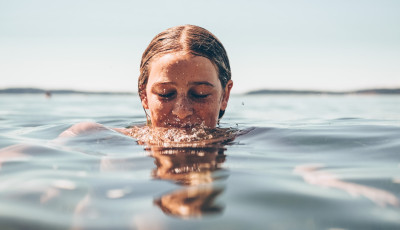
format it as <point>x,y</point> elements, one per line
<point>306,162</point>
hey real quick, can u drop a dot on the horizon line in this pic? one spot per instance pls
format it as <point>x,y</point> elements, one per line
<point>35,90</point>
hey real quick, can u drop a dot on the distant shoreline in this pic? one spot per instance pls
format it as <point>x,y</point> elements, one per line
<point>60,91</point>
<point>377,91</point>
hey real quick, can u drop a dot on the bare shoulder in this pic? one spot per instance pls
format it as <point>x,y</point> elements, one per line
<point>83,128</point>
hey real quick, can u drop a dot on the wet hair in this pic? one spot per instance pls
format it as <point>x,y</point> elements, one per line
<point>190,39</point>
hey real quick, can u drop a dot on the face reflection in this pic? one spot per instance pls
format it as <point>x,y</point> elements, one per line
<point>196,169</point>
<point>184,91</point>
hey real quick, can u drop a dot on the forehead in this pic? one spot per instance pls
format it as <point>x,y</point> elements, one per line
<point>183,67</point>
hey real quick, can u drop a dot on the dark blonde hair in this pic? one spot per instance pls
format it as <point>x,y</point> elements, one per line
<point>191,39</point>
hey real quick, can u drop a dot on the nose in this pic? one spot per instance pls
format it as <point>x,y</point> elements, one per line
<point>182,108</point>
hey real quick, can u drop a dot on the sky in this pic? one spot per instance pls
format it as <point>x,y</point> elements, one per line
<point>96,45</point>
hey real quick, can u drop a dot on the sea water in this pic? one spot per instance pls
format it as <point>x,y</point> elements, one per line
<point>301,162</point>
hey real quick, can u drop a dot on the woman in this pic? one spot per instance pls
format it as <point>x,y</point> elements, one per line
<point>185,81</point>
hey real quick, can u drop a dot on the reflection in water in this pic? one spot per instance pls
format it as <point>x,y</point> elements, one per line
<point>84,191</point>
<point>199,171</point>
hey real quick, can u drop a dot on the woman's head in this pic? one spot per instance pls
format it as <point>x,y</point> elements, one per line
<point>185,78</point>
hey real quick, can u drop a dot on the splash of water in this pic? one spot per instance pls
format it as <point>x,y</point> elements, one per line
<point>178,137</point>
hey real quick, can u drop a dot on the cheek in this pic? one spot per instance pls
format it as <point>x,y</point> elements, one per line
<point>159,109</point>
<point>209,112</point>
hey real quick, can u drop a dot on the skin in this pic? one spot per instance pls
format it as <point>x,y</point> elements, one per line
<point>184,91</point>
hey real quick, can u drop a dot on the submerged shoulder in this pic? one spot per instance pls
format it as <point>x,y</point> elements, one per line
<point>82,128</point>
<point>91,127</point>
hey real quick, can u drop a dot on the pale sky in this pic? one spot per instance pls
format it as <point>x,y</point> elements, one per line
<point>96,45</point>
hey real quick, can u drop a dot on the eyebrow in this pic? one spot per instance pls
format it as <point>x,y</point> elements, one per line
<point>202,83</point>
<point>164,83</point>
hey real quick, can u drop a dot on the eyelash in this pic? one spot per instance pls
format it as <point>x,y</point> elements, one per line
<point>200,96</point>
<point>196,96</point>
<point>168,95</point>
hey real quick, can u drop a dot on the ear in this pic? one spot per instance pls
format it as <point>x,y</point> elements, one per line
<point>226,94</point>
<point>145,103</point>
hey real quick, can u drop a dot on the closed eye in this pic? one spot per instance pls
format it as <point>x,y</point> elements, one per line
<point>166,95</point>
<point>200,96</point>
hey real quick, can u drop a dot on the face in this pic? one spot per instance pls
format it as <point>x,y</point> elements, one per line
<point>184,91</point>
